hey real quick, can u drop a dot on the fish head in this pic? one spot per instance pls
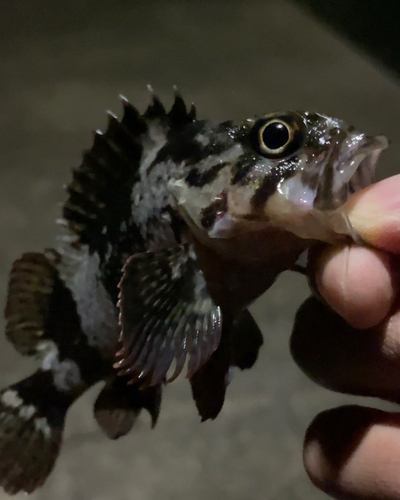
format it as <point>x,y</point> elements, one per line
<point>290,170</point>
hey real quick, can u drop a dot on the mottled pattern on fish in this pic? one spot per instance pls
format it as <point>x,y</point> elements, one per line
<point>174,226</point>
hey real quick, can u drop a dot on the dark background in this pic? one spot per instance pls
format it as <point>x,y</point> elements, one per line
<point>372,25</point>
<point>62,64</point>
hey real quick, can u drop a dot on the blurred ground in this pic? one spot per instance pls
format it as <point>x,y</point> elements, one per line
<point>62,65</point>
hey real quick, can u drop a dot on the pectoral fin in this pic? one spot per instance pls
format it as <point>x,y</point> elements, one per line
<point>166,314</point>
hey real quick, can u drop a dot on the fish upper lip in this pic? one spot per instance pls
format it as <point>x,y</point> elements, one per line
<point>365,158</point>
<point>354,169</point>
<point>368,146</point>
<point>364,154</point>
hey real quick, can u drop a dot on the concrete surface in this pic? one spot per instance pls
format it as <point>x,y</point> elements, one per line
<point>62,65</point>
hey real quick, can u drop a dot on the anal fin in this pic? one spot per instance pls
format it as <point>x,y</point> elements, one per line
<point>118,405</point>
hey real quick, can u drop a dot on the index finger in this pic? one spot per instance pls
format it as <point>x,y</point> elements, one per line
<point>360,283</point>
<point>357,283</point>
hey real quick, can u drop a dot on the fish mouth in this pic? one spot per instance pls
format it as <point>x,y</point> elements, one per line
<point>353,171</point>
<point>311,208</point>
<point>365,161</point>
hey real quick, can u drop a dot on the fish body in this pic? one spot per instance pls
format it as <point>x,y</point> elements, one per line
<point>173,227</point>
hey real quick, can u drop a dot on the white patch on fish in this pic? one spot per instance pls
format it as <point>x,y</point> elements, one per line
<point>42,425</point>
<point>99,320</point>
<point>26,412</point>
<point>12,399</point>
<point>66,373</point>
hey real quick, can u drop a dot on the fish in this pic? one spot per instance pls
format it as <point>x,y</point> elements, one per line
<point>171,228</point>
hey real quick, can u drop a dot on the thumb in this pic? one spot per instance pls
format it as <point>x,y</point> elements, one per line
<point>374,213</point>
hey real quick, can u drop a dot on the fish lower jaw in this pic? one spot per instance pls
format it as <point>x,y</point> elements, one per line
<point>306,222</point>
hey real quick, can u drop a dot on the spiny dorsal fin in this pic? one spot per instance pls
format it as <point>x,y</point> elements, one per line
<point>155,109</point>
<point>178,115</point>
<point>132,119</point>
<point>192,115</point>
<point>99,195</point>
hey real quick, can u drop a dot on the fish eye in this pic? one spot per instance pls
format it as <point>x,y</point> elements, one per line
<point>276,136</point>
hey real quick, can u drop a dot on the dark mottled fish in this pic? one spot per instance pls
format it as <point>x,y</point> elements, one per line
<point>174,226</point>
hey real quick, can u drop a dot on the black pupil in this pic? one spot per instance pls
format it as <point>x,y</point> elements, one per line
<point>275,135</point>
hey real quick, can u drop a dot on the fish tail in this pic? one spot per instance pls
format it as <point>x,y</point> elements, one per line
<point>32,417</point>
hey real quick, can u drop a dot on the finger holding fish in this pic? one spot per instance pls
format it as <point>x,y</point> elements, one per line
<point>375,214</point>
<point>351,344</point>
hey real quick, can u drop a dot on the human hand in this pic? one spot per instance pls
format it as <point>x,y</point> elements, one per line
<point>351,344</point>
